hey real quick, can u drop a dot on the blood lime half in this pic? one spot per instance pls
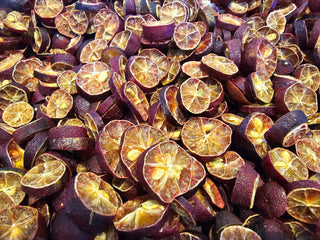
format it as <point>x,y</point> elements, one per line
<point>166,171</point>
<point>108,147</point>
<point>135,140</point>
<point>205,137</point>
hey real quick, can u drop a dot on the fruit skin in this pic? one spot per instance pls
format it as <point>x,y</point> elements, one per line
<point>271,200</point>
<point>244,189</point>
<point>62,227</point>
<point>271,229</point>
<point>283,125</point>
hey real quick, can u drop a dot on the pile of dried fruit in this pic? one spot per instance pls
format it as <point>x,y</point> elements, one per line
<point>148,119</point>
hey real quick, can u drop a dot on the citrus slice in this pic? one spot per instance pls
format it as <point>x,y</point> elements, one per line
<point>308,151</point>
<point>23,73</point>
<point>193,70</point>
<point>284,166</point>
<point>108,147</point>
<point>212,190</point>
<point>173,72</point>
<point>269,33</point>
<point>261,87</point>
<point>126,40</point>
<point>142,215</point>
<point>67,81</point>
<point>93,122</point>
<point>142,71</point>
<point>225,167</point>
<point>297,97</point>
<point>10,188</point>
<point>194,95</point>
<point>170,105</point>
<point>309,74</point>
<point>205,137</point>
<point>93,50</point>
<point>303,204</point>
<point>186,36</point>
<point>229,22</point>
<point>7,64</point>
<point>289,128</point>
<point>176,11</point>
<point>158,58</point>
<point>62,24</point>
<point>18,114</point>
<point>158,120</point>
<point>135,141</point>
<point>300,230</point>
<point>16,22</point>
<point>78,21</point>
<point>21,222</point>
<point>264,58</point>
<point>134,23</point>
<point>48,9</point>
<point>13,155</point>
<point>93,79</point>
<point>277,20</point>
<point>136,100</point>
<point>218,66</point>
<point>288,54</point>
<point>10,93</point>
<point>108,25</point>
<point>44,179</point>
<point>166,171</point>
<point>59,104</point>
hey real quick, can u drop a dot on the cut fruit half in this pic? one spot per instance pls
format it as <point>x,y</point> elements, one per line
<point>135,140</point>
<point>166,171</point>
<point>225,167</point>
<point>108,147</point>
<point>11,193</point>
<point>303,204</point>
<point>22,222</point>
<point>140,216</point>
<point>206,137</point>
<point>44,180</point>
<point>284,166</point>
<point>18,114</point>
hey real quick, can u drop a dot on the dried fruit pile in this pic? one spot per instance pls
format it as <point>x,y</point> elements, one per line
<point>148,119</point>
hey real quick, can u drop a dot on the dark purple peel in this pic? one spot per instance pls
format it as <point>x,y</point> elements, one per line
<point>61,227</point>
<point>271,229</point>
<point>65,131</point>
<point>277,133</point>
<point>203,207</point>
<point>168,100</point>
<point>271,200</point>
<point>186,212</point>
<point>224,219</point>
<point>301,184</point>
<point>23,134</point>
<point>35,147</point>
<point>244,190</point>
<point>135,100</point>
<point>157,31</point>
